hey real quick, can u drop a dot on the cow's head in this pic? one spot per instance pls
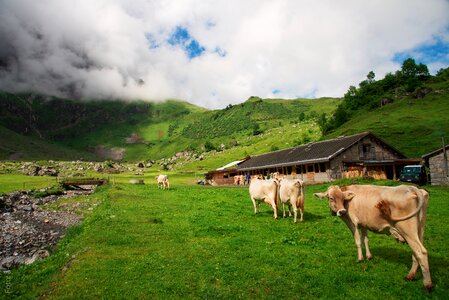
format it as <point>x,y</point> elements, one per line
<point>299,184</point>
<point>337,198</point>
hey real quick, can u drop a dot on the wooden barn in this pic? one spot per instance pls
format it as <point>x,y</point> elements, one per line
<point>437,162</point>
<point>224,175</point>
<point>362,154</point>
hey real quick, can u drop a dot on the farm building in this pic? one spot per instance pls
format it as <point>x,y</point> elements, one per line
<point>225,175</point>
<point>437,163</point>
<point>361,154</point>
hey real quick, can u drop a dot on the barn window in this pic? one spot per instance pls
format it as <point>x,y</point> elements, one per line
<point>289,170</point>
<point>225,175</point>
<point>310,168</point>
<point>367,151</point>
<point>298,169</point>
<point>304,169</point>
<point>322,167</point>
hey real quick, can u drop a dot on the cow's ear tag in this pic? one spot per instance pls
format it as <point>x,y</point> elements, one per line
<point>348,195</point>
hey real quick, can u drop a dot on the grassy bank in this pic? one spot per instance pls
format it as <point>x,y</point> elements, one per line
<point>15,182</point>
<point>205,242</point>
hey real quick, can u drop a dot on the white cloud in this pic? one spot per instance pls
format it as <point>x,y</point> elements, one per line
<point>287,48</point>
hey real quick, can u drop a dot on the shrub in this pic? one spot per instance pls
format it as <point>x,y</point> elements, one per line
<point>208,146</point>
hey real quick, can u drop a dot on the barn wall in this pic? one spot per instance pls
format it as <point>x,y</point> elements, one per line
<point>223,178</point>
<point>437,169</point>
<point>309,173</point>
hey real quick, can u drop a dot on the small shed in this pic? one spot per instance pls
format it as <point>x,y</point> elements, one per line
<point>437,162</point>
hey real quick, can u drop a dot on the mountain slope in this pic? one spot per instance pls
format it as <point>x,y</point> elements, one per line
<point>414,126</point>
<point>144,131</point>
<point>410,112</point>
<point>14,146</point>
<point>413,119</point>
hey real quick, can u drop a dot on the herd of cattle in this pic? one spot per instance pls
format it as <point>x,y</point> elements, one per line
<point>399,211</point>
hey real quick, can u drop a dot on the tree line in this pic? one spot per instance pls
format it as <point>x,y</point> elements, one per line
<point>369,93</point>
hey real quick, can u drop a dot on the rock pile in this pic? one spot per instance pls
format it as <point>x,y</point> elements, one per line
<point>27,230</point>
<point>34,170</point>
<point>179,158</point>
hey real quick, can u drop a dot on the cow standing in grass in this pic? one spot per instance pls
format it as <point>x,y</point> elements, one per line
<point>399,211</point>
<point>263,190</point>
<point>162,182</point>
<point>291,193</point>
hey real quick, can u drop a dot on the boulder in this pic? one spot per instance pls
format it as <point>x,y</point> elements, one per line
<point>137,181</point>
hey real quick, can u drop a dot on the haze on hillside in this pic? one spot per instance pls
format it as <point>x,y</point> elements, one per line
<point>213,53</point>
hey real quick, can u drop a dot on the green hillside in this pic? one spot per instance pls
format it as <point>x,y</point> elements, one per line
<point>408,109</point>
<point>135,131</point>
<point>414,126</point>
<point>14,146</point>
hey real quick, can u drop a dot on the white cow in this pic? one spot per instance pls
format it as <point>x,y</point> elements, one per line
<point>263,190</point>
<point>291,192</point>
<point>399,211</point>
<point>162,182</point>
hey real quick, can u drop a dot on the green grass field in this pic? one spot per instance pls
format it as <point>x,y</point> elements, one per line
<point>205,242</point>
<point>15,182</point>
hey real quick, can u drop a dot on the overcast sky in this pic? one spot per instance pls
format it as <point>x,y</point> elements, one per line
<point>213,53</point>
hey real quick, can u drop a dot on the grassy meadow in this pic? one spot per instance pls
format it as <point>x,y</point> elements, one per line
<point>200,242</point>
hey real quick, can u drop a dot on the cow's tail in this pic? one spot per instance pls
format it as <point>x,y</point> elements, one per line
<point>384,207</point>
<point>301,197</point>
<point>276,195</point>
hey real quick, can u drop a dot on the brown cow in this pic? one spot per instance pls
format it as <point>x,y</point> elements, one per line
<point>263,190</point>
<point>239,179</point>
<point>400,211</point>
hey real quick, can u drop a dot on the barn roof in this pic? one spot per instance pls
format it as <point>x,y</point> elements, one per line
<point>316,152</point>
<point>436,152</point>
<point>231,164</point>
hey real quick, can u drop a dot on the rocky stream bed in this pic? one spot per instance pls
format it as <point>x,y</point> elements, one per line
<point>29,228</point>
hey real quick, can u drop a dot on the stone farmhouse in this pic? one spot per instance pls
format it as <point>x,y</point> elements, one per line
<point>362,154</point>
<point>437,162</point>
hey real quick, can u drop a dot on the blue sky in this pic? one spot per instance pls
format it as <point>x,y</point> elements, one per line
<point>214,53</point>
<point>181,37</point>
<point>430,52</point>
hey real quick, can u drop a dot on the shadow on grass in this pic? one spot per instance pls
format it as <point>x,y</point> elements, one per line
<point>308,217</point>
<point>403,256</point>
<point>437,264</point>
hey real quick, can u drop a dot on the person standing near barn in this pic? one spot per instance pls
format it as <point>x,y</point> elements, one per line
<point>247,179</point>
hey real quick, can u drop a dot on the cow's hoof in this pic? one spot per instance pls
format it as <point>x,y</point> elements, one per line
<point>428,287</point>
<point>410,277</point>
<point>369,257</point>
